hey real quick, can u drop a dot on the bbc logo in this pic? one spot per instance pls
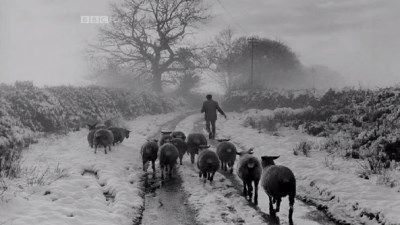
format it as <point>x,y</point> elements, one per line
<point>94,19</point>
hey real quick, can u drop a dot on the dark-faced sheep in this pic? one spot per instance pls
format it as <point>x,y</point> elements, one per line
<point>226,152</point>
<point>179,134</point>
<point>181,146</point>
<point>119,134</point>
<point>194,141</point>
<point>167,155</point>
<point>149,152</point>
<point>278,182</point>
<point>208,163</point>
<point>249,170</point>
<point>165,138</point>
<point>103,137</point>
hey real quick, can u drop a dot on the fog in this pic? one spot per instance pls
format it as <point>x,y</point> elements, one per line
<point>44,41</point>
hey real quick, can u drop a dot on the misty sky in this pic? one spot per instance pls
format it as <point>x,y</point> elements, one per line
<point>44,41</point>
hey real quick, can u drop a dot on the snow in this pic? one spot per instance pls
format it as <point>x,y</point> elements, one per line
<point>64,182</point>
<point>221,202</point>
<point>346,195</point>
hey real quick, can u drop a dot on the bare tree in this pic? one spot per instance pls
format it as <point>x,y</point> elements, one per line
<point>148,34</point>
<point>219,55</point>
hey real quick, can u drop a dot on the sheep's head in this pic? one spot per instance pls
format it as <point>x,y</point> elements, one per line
<point>91,126</point>
<point>127,133</point>
<point>203,147</point>
<point>152,140</point>
<point>179,134</point>
<point>268,160</point>
<point>166,139</point>
<point>250,151</point>
<point>222,140</point>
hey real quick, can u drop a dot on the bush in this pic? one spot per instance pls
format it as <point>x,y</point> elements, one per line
<point>27,110</point>
<point>304,147</point>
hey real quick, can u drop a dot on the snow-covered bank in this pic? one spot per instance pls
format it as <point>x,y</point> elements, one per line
<point>344,195</point>
<point>64,182</point>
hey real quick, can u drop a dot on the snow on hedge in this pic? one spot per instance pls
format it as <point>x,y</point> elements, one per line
<point>27,110</point>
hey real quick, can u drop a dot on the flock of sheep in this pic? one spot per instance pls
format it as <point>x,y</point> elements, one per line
<point>277,181</point>
<point>102,136</point>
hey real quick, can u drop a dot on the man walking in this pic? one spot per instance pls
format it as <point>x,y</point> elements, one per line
<point>210,108</point>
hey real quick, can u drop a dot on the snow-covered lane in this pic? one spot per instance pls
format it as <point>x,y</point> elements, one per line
<point>64,182</point>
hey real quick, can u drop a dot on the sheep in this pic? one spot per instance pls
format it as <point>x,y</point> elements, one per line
<point>167,155</point>
<point>179,134</point>
<point>181,146</point>
<point>193,142</point>
<point>227,154</point>
<point>92,129</point>
<point>208,163</point>
<point>103,137</point>
<point>149,152</point>
<point>165,138</point>
<point>249,170</point>
<point>278,181</point>
<point>119,134</point>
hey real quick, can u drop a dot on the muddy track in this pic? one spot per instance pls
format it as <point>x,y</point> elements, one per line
<point>166,202</point>
<point>316,215</point>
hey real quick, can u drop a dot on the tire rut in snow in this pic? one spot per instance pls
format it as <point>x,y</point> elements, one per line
<point>317,215</point>
<point>109,197</point>
<point>166,203</point>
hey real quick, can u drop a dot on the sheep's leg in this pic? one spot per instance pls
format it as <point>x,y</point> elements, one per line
<point>153,166</point>
<point>109,148</point>
<point>180,159</point>
<point>105,150</point>
<point>250,190</point>
<point>256,192</point>
<point>231,167</point>
<point>278,204</point>
<point>192,157</point>
<point>95,149</point>
<point>244,189</point>
<point>205,177</point>
<point>144,166</point>
<point>271,207</point>
<point>291,203</point>
<point>162,172</point>
<point>200,173</point>
<point>212,177</point>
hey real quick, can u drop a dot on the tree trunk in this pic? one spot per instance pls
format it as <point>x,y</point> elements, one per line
<point>157,87</point>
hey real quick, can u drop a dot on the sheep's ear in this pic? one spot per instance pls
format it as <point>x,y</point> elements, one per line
<point>269,157</point>
<point>251,150</point>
